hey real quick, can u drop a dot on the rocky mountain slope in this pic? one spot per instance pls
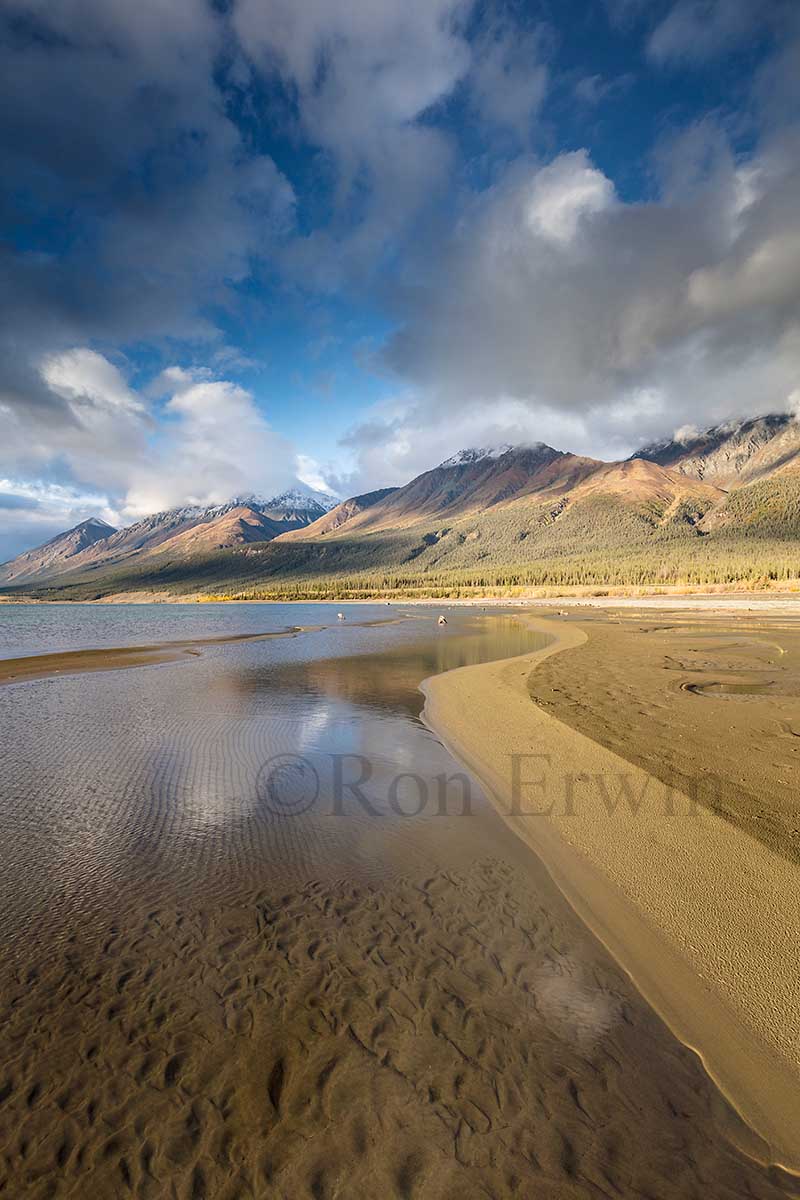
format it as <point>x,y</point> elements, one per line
<point>336,517</point>
<point>732,454</point>
<point>59,554</point>
<point>475,481</point>
<point>472,480</point>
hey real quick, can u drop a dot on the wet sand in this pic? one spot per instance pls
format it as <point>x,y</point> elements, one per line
<point>707,702</point>
<point>695,897</point>
<point>243,1004</point>
<point>117,658</point>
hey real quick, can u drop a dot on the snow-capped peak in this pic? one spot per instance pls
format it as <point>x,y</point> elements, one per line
<point>293,499</point>
<point>476,454</point>
<point>299,498</point>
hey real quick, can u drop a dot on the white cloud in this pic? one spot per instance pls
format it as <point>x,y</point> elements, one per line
<point>627,320</point>
<point>362,76</point>
<point>564,192</point>
<point>207,442</point>
<point>310,473</point>
<point>403,54</point>
<point>215,444</point>
<point>90,384</point>
<point>767,275</point>
<point>42,500</point>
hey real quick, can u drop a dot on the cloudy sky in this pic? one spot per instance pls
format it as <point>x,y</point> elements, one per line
<point>249,241</point>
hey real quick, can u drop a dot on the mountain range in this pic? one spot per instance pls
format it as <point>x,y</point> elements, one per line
<point>713,506</point>
<point>183,531</point>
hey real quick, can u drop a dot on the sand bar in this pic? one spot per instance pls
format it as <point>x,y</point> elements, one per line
<point>702,916</point>
<point>116,658</point>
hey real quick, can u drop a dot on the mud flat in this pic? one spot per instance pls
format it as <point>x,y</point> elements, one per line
<point>704,916</point>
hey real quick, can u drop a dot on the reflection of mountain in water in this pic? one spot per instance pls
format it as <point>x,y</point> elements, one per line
<point>391,679</point>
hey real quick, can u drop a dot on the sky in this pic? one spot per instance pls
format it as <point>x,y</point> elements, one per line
<point>249,242</point>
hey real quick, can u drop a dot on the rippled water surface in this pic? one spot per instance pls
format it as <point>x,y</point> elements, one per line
<point>47,628</point>
<point>287,759</point>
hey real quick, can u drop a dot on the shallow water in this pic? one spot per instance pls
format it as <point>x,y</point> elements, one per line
<point>46,628</point>
<point>254,763</point>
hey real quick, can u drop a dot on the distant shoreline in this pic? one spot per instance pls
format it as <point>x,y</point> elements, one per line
<point>725,600</point>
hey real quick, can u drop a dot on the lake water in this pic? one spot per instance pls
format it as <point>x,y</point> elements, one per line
<point>263,762</point>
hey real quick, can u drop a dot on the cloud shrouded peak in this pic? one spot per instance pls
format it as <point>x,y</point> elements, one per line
<point>627,319</point>
<point>215,444</point>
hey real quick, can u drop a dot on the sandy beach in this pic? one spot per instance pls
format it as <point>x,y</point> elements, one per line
<point>693,890</point>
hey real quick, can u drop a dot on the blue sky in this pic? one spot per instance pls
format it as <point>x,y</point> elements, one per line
<point>255,241</point>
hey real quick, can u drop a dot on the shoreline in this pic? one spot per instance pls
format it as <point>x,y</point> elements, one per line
<point>671,909</point>
<point>723,597</point>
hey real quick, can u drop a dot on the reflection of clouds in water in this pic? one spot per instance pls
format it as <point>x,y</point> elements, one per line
<point>149,778</point>
<point>317,723</point>
<point>571,1007</point>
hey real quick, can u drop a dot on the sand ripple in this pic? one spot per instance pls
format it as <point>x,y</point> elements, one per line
<point>443,1037</point>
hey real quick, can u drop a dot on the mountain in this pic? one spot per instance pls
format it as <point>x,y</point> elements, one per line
<point>476,481</point>
<point>734,453</point>
<point>234,527</point>
<point>472,480</point>
<point>94,545</point>
<point>300,501</point>
<point>712,507</point>
<point>477,454</point>
<point>337,516</point>
<point>56,555</point>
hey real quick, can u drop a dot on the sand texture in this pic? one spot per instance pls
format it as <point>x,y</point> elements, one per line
<point>441,1037</point>
<point>710,704</point>
<point>702,914</point>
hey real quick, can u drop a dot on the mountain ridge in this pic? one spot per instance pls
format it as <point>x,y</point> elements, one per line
<point>161,530</point>
<point>717,505</point>
<point>733,452</point>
